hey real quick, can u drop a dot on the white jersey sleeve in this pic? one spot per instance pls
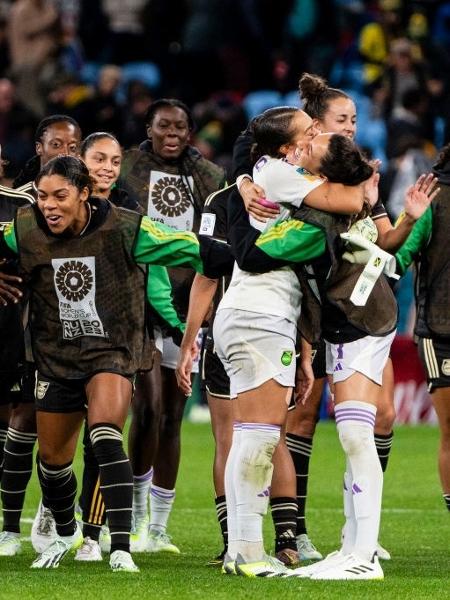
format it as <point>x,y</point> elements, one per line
<point>282,182</point>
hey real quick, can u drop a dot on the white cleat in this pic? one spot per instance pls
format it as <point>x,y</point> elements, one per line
<point>43,530</point>
<point>53,555</point>
<point>10,543</point>
<point>158,541</point>
<point>89,551</point>
<point>306,549</point>
<point>139,535</point>
<point>382,553</point>
<point>268,566</point>
<point>352,569</point>
<point>331,560</point>
<point>122,561</point>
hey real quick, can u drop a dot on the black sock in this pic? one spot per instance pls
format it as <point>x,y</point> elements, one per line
<point>300,449</point>
<point>17,470</point>
<point>3,432</point>
<point>221,512</point>
<point>91,499</point>
<point>116,482</point>
<point>59,488</point>
<point>384,445</point>
<point>447,500</point>
<point>284,516</point>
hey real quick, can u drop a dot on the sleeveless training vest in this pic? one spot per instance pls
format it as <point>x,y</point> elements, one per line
<point>337,278</point>
<point>87,303</point>
<point>433,283</point>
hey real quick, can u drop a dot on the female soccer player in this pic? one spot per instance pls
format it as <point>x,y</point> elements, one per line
<point>88,343</point>
<point>171,181</point>
<point>428,247</point>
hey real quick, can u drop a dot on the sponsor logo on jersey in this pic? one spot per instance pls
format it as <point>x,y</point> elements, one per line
<point>445,368</point>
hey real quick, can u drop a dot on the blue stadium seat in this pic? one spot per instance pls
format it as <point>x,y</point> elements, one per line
<point>257,102</point>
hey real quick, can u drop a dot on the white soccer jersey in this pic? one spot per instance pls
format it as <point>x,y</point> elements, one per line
<point>276,292</point>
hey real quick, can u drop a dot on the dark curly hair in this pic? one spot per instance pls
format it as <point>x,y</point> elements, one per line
<point>344,162</point>
<point>168,103</point>
<point>316,95</point>
<point>271,130</point>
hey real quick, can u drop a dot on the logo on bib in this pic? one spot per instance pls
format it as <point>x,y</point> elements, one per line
<point>41,389</point>
<point>74,280</point>
<point>286,357</point>
<point>445,368</point>
<point>170,197</point>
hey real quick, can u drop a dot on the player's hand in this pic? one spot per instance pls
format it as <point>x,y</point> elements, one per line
<point>304,380</point>
<point>183,369</point>
<point>420,195</point>
<point>9,294</point>
<point>251,194</point>
<point>371,185</point>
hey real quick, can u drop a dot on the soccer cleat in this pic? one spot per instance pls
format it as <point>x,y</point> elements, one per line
<point>105,539</point>
<point>78,513</point>
<point>382,553</point>
<point>158,541</point>
<point>288,557</point>
<point>139,535</point>
<point>217,561</point>
<point>89,551</point>
<point>43,530</point>
<point>306,549</point>
<point>228,565</point>
<point>10,544</point>
<point>53,555</point>
<point>352,569</point>
<point>267,567</point>
<point>122,561</point>
<point>329,561</point>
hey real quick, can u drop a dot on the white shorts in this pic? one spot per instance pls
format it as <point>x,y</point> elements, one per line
<point>255,348</point>
<point>170,351</point>
<point>367,356</point>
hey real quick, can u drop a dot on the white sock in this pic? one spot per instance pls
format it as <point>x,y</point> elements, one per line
<point>253,476</point>
<point>349,531</point>
<point>230,493</point>
<point>355,422</point>
<point>141,490</point>
<point>161,501</point>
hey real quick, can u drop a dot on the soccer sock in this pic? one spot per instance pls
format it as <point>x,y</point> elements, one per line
<point>252,478</point>
<point>383,444</point>
<point>91,499</point>
<point>141,489</point>
<point>300,448</point>
<point>59,488</point>
<point>161,502</point>
<point>221,512</point>
<point>447,500</point>
<point>230,491</point>
<point>3,432</point>
<point>349,531</point>
<point>355,422</point>
<point>284,516</point>
<point>17,469</point>
<point>116,482</point>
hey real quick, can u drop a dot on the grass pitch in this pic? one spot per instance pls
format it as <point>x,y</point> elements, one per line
<point>415,529</point>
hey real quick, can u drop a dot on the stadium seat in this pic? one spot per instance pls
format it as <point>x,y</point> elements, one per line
<point>257,102</point>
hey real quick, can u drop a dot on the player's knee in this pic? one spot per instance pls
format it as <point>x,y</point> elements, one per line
<point>355,440</point>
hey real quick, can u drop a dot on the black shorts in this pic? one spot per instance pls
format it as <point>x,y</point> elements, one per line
<point>60,395</point>
<point>435,358</point>
<point>17,387</point>
<point>319,360</point>
<point>214,379</point>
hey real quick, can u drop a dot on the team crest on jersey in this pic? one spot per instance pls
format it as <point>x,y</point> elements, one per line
<point>445,367</point>
<point>41,389</point>
<point>74,280</point>
<point>169,200</point>
<point>286,357</point>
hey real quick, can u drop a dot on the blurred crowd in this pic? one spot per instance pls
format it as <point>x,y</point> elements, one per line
<point>103,61</point>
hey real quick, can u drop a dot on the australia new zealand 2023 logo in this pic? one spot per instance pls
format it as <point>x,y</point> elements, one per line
<point>170,197</point>
<point>74,280</point>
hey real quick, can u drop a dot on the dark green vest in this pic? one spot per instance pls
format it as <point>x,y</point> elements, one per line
<point>433,301</point>
<point>87,303</point>
<point>337,279</point>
